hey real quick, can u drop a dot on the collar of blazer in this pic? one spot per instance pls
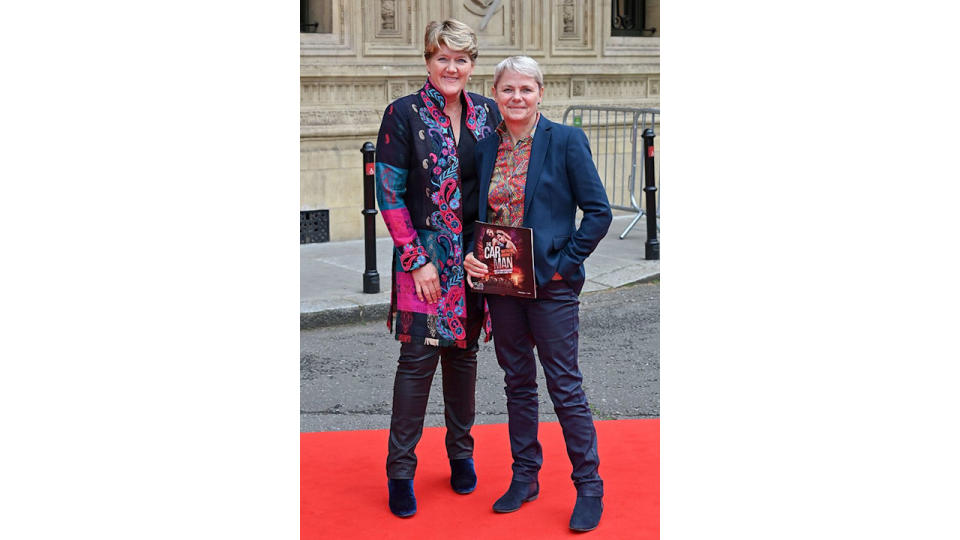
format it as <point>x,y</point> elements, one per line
<point>487,150</point>
<point>537,154</point>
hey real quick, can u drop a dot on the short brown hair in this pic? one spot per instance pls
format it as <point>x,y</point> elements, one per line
<point>452,33</point>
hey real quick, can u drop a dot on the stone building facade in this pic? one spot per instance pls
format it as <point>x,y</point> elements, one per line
<point>358,55</point>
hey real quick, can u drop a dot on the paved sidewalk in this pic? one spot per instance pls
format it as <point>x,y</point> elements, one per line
<point>331,274</point>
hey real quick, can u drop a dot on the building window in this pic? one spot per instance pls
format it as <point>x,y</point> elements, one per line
<point>635,18</point>
<point>316,16</point>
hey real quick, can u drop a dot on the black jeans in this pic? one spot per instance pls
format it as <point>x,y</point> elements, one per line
<point>411,391</point>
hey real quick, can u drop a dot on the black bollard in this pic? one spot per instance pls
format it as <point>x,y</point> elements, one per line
<point>371,279</point>
<point>652,246</point>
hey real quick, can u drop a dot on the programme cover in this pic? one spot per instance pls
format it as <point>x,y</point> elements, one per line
<point>508,254</point>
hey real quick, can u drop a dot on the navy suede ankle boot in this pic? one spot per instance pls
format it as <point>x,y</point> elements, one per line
<point>402,501</point>
<point>463,478</point>
<point>519,493</point>
<point>586,513</point>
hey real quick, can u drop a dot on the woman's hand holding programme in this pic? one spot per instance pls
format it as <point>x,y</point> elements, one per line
<point>474,267</point>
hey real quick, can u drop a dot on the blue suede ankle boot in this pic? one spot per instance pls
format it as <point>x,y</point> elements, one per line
<point>402,501</point>
<point>519,493</point>
<point>586,513</point>
<point>463,478</point>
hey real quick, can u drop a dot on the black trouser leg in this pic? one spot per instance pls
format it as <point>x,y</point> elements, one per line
<point>459,372</point>
<point>411,390</point>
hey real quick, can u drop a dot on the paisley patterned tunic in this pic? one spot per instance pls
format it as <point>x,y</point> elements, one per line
<point>418,185</point>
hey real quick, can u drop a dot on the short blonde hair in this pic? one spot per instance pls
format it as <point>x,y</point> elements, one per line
<point>453,34</point>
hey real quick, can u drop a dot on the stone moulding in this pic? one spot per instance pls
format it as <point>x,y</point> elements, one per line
<point>339,123</point>
<point>336,107</point>
<point>620,46</point>
<point>335,92</point>
<point>366,123</point>
<point>319,68</point>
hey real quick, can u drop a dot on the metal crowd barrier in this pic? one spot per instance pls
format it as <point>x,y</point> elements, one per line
<point>615,133</point>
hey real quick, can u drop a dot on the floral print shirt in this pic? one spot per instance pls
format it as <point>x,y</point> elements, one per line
<point>505,197</point>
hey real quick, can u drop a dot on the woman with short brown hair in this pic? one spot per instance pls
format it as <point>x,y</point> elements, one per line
<point>427,191</point>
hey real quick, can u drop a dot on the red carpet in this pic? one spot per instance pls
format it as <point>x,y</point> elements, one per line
<point>343,486</point>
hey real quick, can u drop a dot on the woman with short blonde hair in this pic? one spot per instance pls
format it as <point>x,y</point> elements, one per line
<point>427,191</point>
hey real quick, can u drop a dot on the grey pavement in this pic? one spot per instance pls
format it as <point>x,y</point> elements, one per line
<point>331,274</point>
<point>347,371</point>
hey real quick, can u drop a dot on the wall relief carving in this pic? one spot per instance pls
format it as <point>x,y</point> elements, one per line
<point>497,22</point>
<point>485,9</point>
<point>388,15</point>
<point>577,90</point>
<point>392,27</point>
<point>573,22</point>
<point>567,14</point>
<point>397,90</point>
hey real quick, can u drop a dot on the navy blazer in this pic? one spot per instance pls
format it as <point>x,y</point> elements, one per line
<point>561,177</point>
